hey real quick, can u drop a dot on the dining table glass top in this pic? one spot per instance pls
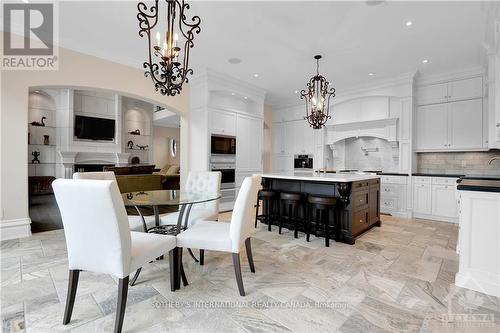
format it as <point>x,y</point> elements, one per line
<point>167,198</point>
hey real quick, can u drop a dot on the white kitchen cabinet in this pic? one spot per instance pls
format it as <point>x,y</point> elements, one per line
<point>461,90</point>
<point>444,201</point>
<point>465,124</point>
<point>434,198</point>
<point>478,246</point>
<point>455,126</point>
<point>432,127</point>
<point>249,143</point>
<point>279,138</point>
<point>457,90</point>
<point>393,195</point>
<point>422,198</point>
<point>432,94</point>
<point>222,123</point>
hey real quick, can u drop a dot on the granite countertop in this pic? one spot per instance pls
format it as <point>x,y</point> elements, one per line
<point>479,183</point>
<point>328,177</point>
<point>392,174</point>
<point>423,174</point>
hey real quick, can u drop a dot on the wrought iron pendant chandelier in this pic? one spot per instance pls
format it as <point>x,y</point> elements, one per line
<point>168,63</point>
<point>317,95</point>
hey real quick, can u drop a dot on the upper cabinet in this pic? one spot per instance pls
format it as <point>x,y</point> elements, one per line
<point>458,90</point>
<point>451,116</point>
<point>223,123</point>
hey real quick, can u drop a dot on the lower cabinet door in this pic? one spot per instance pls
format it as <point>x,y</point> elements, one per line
<point>422,198</point>
<point>359,221</point>
<point>374,205</point>
<point>444,202</point>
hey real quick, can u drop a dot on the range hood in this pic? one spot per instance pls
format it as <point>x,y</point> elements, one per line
<point>386,129</point>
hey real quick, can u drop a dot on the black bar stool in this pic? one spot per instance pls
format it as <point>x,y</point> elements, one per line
<point>319,211</point>
<point>268,214</point>
<point>290,203</point>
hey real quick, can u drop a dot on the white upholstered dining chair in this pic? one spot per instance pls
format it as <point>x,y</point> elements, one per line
<point>228,237</point>
<point>199,182</point>
<point>135,221</point>
<point>99,240</point>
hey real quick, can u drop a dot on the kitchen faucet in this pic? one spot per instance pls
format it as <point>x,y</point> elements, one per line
<point>494,158</point>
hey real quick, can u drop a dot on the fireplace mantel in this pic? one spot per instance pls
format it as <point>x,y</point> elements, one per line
<point>70,158</point>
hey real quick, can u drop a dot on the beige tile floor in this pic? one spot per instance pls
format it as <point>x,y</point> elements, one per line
<point>396,278</point>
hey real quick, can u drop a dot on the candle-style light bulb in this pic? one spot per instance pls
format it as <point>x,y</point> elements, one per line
<point>165,47</point>
<point>176,38</point>
<point>158,38</point>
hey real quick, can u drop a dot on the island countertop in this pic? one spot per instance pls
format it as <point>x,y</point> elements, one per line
<point>328,177</point>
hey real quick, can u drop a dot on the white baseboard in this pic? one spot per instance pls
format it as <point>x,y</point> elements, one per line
<point>12,229</point>
<point>435,218</point>
<point>479,283</point>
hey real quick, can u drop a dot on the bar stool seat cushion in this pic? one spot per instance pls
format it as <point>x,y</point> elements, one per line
<point>207,235</point>
<point>145,247</point>
<point>319,200</point>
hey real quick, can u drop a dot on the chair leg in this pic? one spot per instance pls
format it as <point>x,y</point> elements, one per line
<point>121,303</point>
<point>70,297</point>
<point>256,212</point>
<point>268,214</point>
<point>296,222</point>
<point>202,257</point>
<point>237,271</point>
<point>280,224</point>
<point>183,274</point>
<point>327,228</point>
<point>248,246</point>
<point>171,264</point>
<point>136,275</point>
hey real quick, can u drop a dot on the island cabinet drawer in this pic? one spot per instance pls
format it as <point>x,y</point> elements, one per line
<point>360,199</point>
<point>359,221</point>
<point>360,186</point>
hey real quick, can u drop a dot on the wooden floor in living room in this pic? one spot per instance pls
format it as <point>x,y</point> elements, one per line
<point>398,277</point>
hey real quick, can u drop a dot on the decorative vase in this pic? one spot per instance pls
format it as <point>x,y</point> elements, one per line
<point>46,140</point>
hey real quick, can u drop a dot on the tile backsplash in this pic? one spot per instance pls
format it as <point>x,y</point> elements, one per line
<point>470,163</point>
<point>365,153</point>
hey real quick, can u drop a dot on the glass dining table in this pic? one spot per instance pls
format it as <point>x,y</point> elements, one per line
<point>158,198</point>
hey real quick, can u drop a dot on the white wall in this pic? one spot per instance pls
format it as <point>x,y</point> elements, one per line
<point>161,146</point>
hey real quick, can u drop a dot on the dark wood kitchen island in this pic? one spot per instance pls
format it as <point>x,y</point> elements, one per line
<point>359,196</point>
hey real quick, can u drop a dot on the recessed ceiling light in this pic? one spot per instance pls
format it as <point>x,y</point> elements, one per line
<point>234,61</point>
<point>256,75</point>
<point>233,94</point>
<point>408,23</point>
<point>245,97</point>
<point>425,61</point>
<point>371,74</point>
<point>296,91</point>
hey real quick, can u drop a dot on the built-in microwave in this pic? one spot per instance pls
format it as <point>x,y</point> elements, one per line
<point>223,145</point>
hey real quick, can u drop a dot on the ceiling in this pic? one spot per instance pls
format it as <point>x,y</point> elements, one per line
<point>278,40</point>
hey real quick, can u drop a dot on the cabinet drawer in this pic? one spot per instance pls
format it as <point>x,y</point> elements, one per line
<point>359,221</point>
<point>360,199</point>
<point>389,190</point>
<point>393,180</point>
<point>444,180</point>
<point>360,186</point>
<point>421,180</point>
<point>389,204</point>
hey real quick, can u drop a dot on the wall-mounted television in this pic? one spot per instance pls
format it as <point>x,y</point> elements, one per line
<point>93,128</point>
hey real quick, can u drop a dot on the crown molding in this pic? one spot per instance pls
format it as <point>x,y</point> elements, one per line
<point>426,79</point>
